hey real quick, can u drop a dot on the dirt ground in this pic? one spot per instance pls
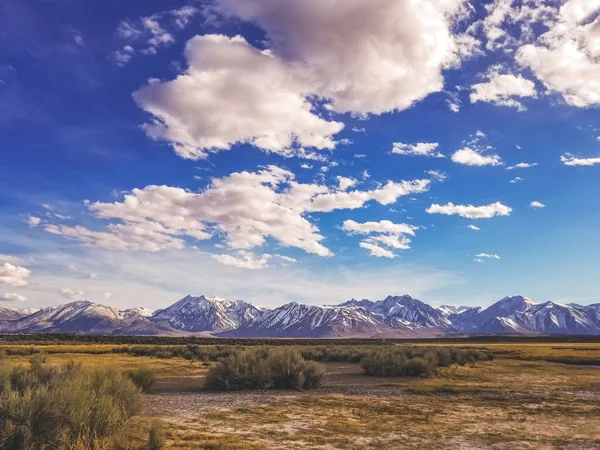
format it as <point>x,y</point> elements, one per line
<point>503,404</point>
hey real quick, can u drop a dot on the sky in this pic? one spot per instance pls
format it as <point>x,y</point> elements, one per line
<point>302,151</point>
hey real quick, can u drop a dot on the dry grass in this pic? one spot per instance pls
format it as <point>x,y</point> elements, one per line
<point>519,400</point>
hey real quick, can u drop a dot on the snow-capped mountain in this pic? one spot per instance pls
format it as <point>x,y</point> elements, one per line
<point>298,320</point>
<point>208,314</point>
<point>449,310</point>
<point>403,311</point>
<point>394,316</point>
<point>11,314</point>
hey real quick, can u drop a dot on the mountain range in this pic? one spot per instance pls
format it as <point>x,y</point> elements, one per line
<point>394,316</point>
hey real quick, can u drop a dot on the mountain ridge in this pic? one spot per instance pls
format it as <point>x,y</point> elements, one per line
<point>400,316</point>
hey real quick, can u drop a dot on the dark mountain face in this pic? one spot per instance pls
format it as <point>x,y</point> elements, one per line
<point>394,316</point>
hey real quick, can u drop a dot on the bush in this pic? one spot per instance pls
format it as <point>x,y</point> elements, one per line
<point>417,361</point>
<point>262,369</point>
<point>142,378</point>
<point>289,370</point>
<point>43,407</point>
<point>156,439</point>
<point>244,369</point>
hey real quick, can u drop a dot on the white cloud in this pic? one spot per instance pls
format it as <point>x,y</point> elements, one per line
<point>487,256</point>
<point>12,297</point>
<point>305,166</point>
<point>383,226</point>
<point>376,250</point>
<point>474,227</point>
<point>509,23</point>
<point>565,58</point>
<point>33,221</point>
<point>72,268</point>
<point>71,293</point>
<point>244,208</point>
<point>437,175</point>
<point>418,149</point>
<point>244,260</point>
<point>501,90</point>
<point>123,56</point>
<point>92,276</point>
<point>366,56</point>
<point>149,34</point>
<point>131,237</point>
<point>287,259</point>
<point>13,259</point>
<point>522,165</point>
<point>470,157</point>
<point>345,183</point>
<point>108,295</point>
<point>569,160</point>
<point>515,180</point>
<point>14,275</point>
<point>536,204</point>
<point>453,106</point>
<point>470,211</point>
<point>389,234</point>
<point>233,93</point>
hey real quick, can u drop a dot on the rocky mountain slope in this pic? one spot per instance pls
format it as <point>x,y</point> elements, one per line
<point>394,316</point>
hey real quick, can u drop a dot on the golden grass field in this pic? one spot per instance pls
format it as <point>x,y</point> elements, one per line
<point>523,399</point>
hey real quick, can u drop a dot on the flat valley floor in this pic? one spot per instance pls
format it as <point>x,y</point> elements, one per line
<point>531,396</point>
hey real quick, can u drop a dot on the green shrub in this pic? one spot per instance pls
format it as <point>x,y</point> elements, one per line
<point>44,408</point>
<point>142,378</point>
<point>156,438</point>
<point>244,369</point>
<point>417,361</point>
<point>289,370</point>
<point>262,368</point>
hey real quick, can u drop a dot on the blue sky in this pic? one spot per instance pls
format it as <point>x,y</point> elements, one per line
<point>299,151</point>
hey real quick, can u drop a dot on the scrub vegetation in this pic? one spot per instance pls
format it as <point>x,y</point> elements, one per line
<point>271,394</point>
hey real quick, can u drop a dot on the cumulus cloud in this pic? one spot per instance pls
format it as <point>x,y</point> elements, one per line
<point>509,24</point>
<point>474,227</point>
<point>522,165</point>
<point>515,180</point>
<point>536,204</point>
<point>233,93</point>
<point>345,183</point>
<point>244,208</point>
<point>366,56</point>
<point>71,294</point>
<point>12,275</point>
<point>388,234</point>
<point>569,160</point>
<point>469,157</point>
<point>501,90</point>
<point>376,250</point>
<point>244,260</point>
<point>470,211</point>
<point>108,295</point>
<point>12,297</point>
<point>566,59</point>
<point>418,149</point>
